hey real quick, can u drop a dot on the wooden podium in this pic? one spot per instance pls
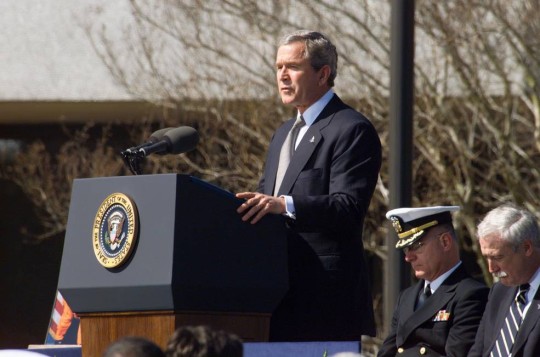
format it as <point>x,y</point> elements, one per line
<point>192,261</point>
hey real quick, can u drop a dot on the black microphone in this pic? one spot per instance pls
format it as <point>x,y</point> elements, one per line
<point>154,138</point>
<point>174,141</point>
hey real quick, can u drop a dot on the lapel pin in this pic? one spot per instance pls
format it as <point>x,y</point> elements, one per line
<point>312,140</point>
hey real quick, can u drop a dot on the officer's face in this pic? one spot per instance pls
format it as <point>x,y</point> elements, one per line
<point>426,256</point>
<point>507,263</point>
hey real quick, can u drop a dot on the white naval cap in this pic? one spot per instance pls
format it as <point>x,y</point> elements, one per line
<point>411,223</point>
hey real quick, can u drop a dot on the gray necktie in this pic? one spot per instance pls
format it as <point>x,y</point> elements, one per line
<point>286,152</point>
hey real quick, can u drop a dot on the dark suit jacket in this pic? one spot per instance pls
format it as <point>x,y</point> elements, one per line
<point>331,177</point>
<point>460,296</point>
<point>527,342</point>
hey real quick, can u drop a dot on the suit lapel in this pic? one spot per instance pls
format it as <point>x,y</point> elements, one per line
<point>409,302</point>
<point>427,312</point>
<point>407,311</point>
<point>303,152</point>
<point>503,307</point>
<point>531,320</point>
<point>432,306</point>
<point>310,141</point>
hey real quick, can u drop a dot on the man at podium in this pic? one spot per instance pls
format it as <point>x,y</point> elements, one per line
<point>321,170</point>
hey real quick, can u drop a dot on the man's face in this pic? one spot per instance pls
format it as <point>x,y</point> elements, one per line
<point>298,83</point>
<point>505,262</point>
<point>426,256</point>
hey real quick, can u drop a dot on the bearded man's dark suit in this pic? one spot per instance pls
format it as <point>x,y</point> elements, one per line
<point>331,178</point>
<point>527,343</point>
<point>459,296</point>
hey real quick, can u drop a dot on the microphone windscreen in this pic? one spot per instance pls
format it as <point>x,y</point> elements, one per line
<point>158,135</point>
<point>182,139</point>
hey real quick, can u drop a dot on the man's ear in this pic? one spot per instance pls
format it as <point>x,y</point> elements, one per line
<point>324,74</point>
<point>528,247</point>
<point>446,240</point>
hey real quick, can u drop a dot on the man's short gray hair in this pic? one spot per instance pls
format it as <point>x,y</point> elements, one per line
<point>513,224</point>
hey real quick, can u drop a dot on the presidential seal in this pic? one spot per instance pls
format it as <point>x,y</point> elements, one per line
<point>115,230</point>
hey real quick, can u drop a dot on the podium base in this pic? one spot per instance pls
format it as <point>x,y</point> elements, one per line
<point>98,330</point>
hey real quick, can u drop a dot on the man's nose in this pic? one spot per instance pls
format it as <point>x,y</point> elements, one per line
<point>409,256</point>
<point>492,267</point>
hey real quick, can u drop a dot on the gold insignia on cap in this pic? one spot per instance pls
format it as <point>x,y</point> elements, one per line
<point>403,242</point>
<point>410,236</point>
<point>419,229</point>
<point>395,224</point>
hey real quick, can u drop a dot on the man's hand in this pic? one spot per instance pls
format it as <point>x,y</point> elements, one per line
<point>258,205</point>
